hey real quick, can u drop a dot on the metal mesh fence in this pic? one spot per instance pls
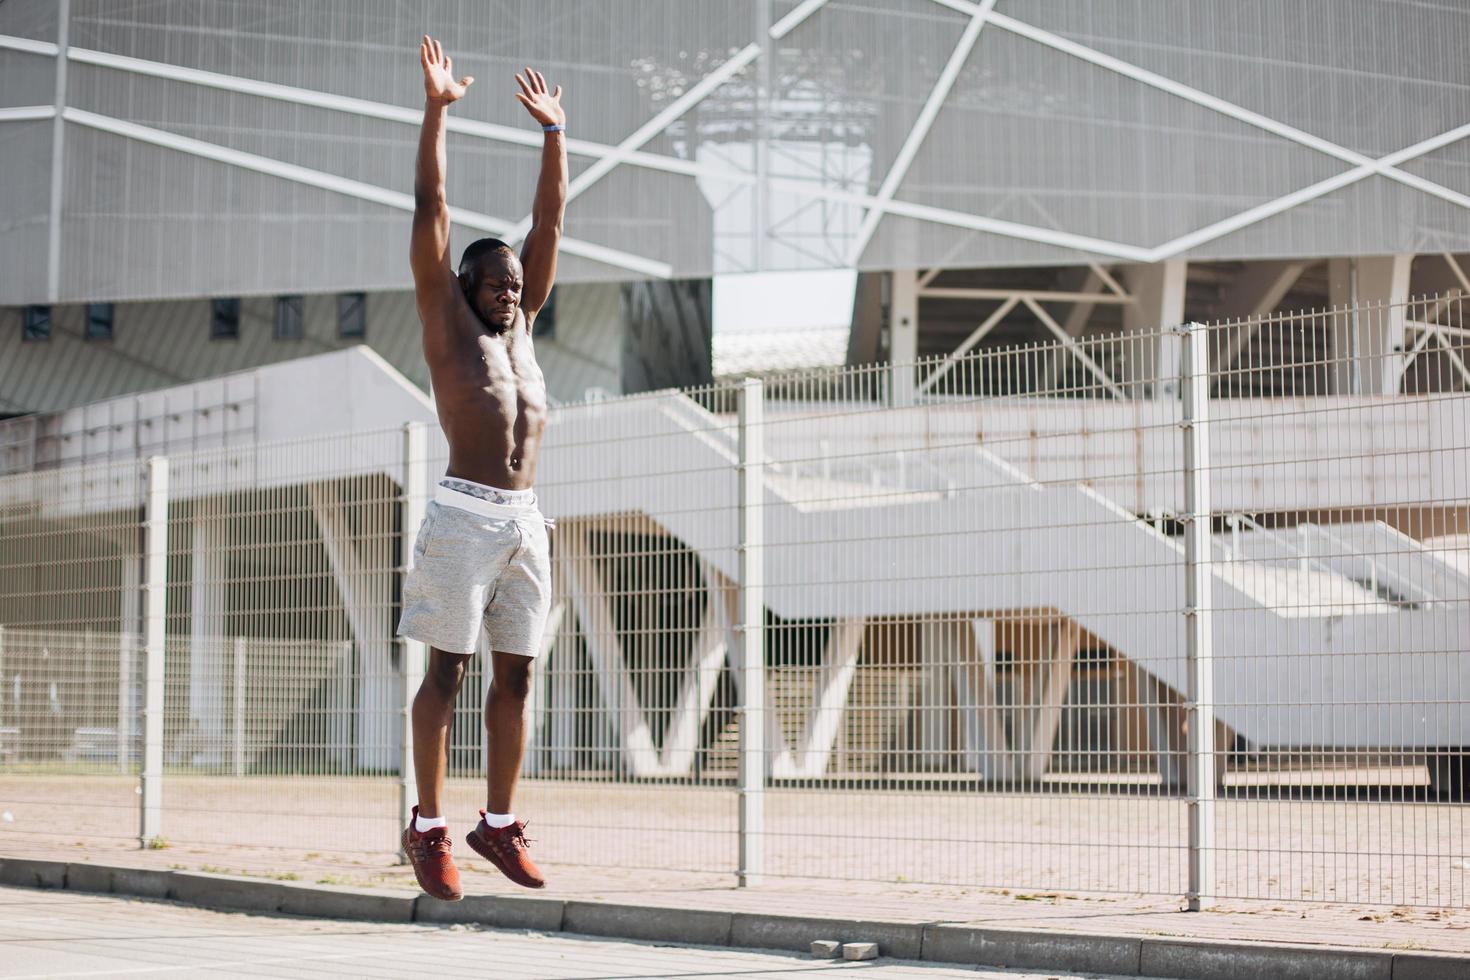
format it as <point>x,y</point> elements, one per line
<point>1180,612</point>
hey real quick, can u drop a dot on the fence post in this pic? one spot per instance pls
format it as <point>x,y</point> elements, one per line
<point>751,633</point>
<point>239,711</point>
<point>155,613</point>
<point>1199,648</point>
<point>415,494</point>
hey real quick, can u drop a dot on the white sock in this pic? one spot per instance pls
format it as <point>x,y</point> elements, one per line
<point>423,824</point>
<point>497,820</point>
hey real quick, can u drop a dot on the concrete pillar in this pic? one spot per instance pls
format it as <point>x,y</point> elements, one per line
<point>903,334</point>
<point>129,642</point>
<point>207,655</point>
<point>362,570</point>
<point>1158,302</point>
<point>1369,293</point>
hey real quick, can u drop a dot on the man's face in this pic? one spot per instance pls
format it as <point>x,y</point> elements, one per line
<point>496,294</point>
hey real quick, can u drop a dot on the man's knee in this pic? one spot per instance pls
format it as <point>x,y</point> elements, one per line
<point>444,674</point>
<point>512,677</point>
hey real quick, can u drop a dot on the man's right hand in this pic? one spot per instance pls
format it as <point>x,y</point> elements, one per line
<point>439,83</point>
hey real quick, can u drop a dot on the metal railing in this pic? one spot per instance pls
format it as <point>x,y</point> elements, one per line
<point>1047,622</point>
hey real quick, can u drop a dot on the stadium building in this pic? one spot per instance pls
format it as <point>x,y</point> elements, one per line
<point>205,219</point>
<point>193,189</point>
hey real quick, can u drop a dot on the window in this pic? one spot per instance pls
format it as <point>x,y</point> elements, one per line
<point>545,323</point>
<point>37,323</point>
<point>99,321</point>
<point>352,316</point>
<point>288,317</point>
<point>224,321</point>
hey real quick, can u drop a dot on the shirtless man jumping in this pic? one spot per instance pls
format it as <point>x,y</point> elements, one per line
<point>481,561</point>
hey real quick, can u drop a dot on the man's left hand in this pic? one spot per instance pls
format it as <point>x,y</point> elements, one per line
<point>544,106</point>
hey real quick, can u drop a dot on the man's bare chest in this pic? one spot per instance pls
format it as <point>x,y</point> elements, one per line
<point>495,363</point>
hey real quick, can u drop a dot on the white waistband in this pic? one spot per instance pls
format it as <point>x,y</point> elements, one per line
<point>463,501</point>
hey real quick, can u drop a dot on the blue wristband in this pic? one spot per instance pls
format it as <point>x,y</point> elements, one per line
<point>554,128</point>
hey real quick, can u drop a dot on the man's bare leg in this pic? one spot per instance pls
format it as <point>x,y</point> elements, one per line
<point>505,710</point>
<point>433,712</point>
<point>505,722</point>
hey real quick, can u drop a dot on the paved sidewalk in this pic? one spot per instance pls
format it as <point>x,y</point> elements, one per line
<point>1341,926</point>
<point>66,934</point>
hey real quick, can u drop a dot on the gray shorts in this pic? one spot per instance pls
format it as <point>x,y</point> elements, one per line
<point>482,562</point>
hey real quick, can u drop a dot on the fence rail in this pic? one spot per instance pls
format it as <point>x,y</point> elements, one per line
<point>1179,612</point>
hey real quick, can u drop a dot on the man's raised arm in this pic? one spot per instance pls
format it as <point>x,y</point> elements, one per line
<point>428,251</point>
<point>538,258</point>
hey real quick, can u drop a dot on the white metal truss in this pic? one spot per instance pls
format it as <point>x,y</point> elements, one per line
<point>906,153</point>
<point>876,206</point>
<point>1082,302</point>
<point>342,185</point>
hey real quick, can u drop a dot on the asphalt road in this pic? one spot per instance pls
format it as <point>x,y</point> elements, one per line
<point>66,934</point>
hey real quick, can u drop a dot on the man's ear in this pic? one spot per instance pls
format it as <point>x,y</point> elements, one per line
<point>464,281</point>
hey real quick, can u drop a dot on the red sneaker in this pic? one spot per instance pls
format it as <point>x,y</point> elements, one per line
<point>432,866</point>
<point>506,849</point>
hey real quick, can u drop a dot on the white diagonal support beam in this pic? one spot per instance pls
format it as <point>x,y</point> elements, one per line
<point>1311,192</point>
<point>1257,295</point>
<point>26,113</point>
<point>1048,719</point>
<point>599,633</point>
<point>966,345</point>
<point>648,131</point>
<point>365,587</point>
<point>10,42</point>
<point>1088,294</point>
<point>388,112</point>
<point>1081,312</point>
<point>980,723</point>
<point>792,20</point>
<point>1107,279</point>
<point>1459,272</point>
<point>701,676</point>
<point>829,703</point>
<point>1384,166</point>
<point>1449,350</point>
<point>915,138</point>
<point>1074,347</point>
<point>342,185</point>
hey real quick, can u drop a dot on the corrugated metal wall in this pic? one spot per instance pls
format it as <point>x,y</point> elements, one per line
<point>1038,129</point>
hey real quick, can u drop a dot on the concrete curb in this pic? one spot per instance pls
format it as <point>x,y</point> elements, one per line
<point>1200,960</point>
<point>652,925</point>
<point>1033,950</point>
<point>901,939</point>
<point>979,946</point>
<point>496,911</point>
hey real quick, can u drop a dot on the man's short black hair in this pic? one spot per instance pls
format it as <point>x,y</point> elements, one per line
<point>469,263</point>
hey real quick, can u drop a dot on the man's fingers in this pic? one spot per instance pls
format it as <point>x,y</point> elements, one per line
<point>523,100</point>
<point>467,81</point>
<point>438,53</point>
<point>525,87</point>
<point>557,93</point>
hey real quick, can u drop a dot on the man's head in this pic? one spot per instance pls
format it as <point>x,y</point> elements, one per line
<point>490,275</point>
